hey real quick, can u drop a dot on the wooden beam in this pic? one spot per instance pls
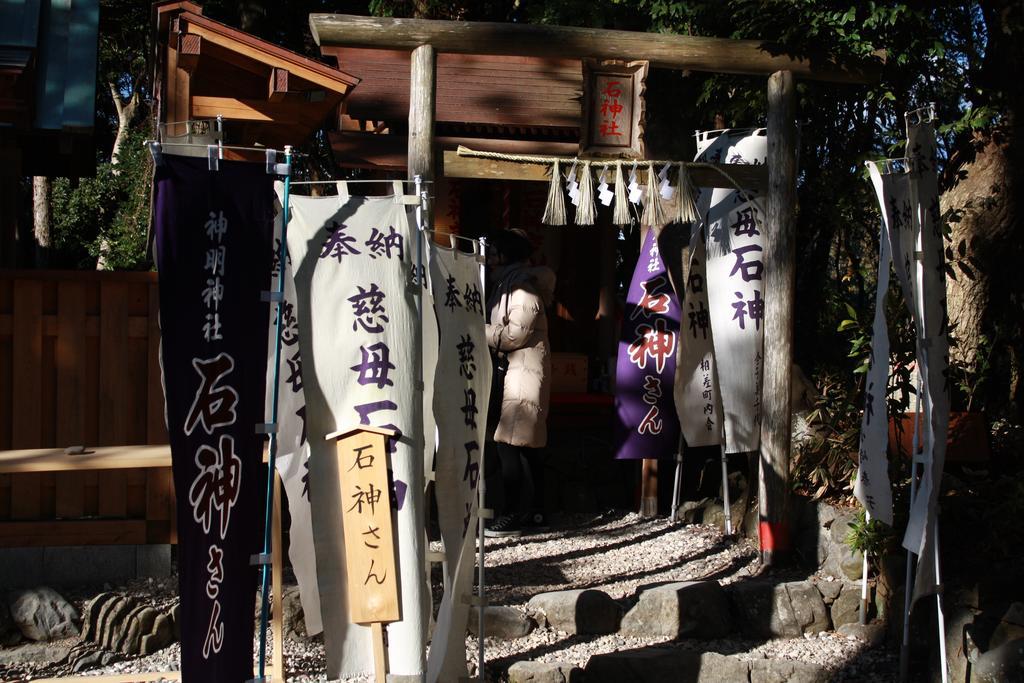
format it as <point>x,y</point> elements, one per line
<point>664,50</point>
<point>78,532</point>
<point>150,677</point>
<point>278,85</point>
<point>775,532</point>
<point>233,108</point>
<point>189,48</point>
<point>746,176</point>
<point>104,458</point>
<point>388,152</point>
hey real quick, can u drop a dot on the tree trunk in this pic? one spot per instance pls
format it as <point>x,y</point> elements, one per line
<point>125,114</point>
<point>984,253</point>
<point>41,219</point>
<point>985,294</point>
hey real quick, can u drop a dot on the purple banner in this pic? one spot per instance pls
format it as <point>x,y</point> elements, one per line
<point>647,425</point>
<point>214,253</point>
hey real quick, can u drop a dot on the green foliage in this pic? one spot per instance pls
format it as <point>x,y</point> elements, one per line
<point>107,215</point>
<point>871,538</point>
<point>824,464</point>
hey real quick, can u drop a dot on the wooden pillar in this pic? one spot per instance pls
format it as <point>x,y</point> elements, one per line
<point>410,664</point>
<point>421,112</point>
<point>780,257</point>
<point>649,488</point>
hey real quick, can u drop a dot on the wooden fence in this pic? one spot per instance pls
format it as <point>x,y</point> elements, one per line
<point>79,366</point>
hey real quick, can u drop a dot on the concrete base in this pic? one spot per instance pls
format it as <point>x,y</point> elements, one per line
<point>70,565</point>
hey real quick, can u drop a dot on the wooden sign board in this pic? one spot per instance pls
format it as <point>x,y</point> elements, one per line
<point>613,109</point>
<point>366,518</point>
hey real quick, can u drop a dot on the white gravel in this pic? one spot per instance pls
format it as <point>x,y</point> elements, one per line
<point>617,552</point>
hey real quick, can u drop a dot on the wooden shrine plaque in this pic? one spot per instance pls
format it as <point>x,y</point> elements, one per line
<point>613,108</point>
<point>366,518</point>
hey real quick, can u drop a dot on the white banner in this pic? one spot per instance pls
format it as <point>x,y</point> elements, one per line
<point>292,461</point>
<point>734,223</point>
<point>873,489</point>
<point>463,381</point>
<point>697,398</point>
<point>933,346</point>
<point>355,261</point>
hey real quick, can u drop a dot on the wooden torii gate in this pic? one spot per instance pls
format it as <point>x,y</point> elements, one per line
<point>425,38</point>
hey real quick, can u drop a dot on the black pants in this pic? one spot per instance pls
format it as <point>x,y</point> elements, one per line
<point>514,479</point>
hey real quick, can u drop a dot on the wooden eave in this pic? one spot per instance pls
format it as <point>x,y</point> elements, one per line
<point>267,94</point>
<point>266,53</point>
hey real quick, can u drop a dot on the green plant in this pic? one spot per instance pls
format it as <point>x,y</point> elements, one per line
<point>869,537</point>
<point>106,215</point>
<point>825,462</point>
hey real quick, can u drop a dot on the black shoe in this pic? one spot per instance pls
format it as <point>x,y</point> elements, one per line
<point>503,527</point>
<point>535,522</point>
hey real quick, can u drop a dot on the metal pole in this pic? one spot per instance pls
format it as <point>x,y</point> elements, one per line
<point>939,613</point>
<point>282,255</point>
<point>726,502</point>
<point>908,581</point>
<point>677,482</point>
<point>864,578</point>
<point>481,585</point>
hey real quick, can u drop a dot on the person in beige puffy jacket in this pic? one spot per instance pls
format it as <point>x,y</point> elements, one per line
<point>517,333</point>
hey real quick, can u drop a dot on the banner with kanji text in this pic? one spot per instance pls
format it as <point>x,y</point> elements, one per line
<point>647,425</point>
<point>354,261</point>
<point>734,234</point>
<point>213,240</point>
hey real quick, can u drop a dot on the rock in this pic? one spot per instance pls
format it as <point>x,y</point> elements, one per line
<point>786,671</point>
<point>785,610</point>
<point>140,624</point>
<point>872,634</point>
<point>90,619</point>
<point>43,615</point>
<point>846,608</point>
<point>176,616</point>
<point>502,622</point>
<point>812,540</point>
<point>38,654</point>
<point>690,609</point>
<point>842,561</point>
<point>714,512</point>
<point>543,672</point>
<point>829,589</point>
<point>1010,627</point>
<point>112,623</point>
<point>690,511</point>
<point>585,612</point>
<point>102,618</point>
<point>960,651</point>
<point>10,634</point>
<point>122,641</point>
<point>1004,664</point>
<point>293,618</point>
<point>654,665</point>
<point>160,637</point>
<point>88,661</point>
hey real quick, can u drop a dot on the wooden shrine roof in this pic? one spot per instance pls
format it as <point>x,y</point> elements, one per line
<point>266,94</point>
